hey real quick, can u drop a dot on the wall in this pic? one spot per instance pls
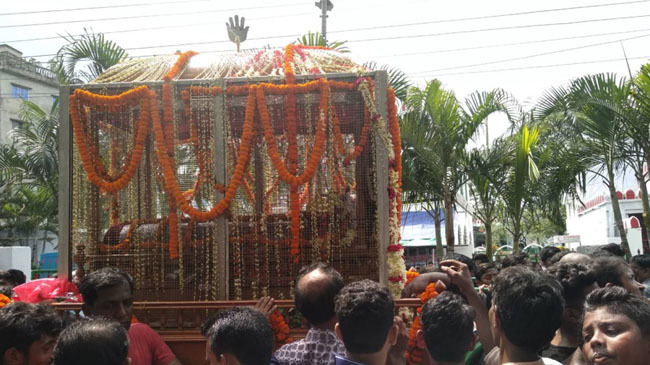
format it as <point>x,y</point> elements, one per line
<point>16,258</point>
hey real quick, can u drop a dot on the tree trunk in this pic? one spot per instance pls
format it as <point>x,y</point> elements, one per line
<point>488,240</point>
<point>617,211</point>
<point>516,237</point>
<point>646,210</point>
<point>436,218</point>
<point>449,220</point>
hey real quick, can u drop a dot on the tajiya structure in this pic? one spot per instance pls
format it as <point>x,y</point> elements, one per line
<point>219,178</point>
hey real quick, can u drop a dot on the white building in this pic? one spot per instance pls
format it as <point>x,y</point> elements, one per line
<point>418,230</point>
<point>593,224</point>
<point>21,79</point>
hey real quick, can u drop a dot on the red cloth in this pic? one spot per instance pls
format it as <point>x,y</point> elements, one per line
<point>39,290</point>
<point>146,347</point>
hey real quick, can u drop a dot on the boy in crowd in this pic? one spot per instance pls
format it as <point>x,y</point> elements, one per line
<point>577,280</point>
<point>239,336</point>
<point>447,329</point>
<point>367,326</point>
<point>547,253</point>
<point>616,328</point>
<point>641,267</point>
<point>108,292</point>
<point>28,333</point>
<point>612,270</point>
<point>96,341</point>
<point>316,288</point>
<point>485,273</point>
<point>526,311</point>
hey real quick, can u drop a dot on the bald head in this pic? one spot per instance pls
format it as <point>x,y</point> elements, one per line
<point>316,288</point>
<point>576,258</point>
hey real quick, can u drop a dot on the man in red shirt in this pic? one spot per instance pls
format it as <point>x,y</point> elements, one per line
<point>108,292</point>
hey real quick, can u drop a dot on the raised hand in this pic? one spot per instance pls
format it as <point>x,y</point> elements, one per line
<point>266,305</point>
<point>458,273</point>
<point>237,33</point>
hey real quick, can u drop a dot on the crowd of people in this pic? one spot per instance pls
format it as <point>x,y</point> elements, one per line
<point>570,309</point>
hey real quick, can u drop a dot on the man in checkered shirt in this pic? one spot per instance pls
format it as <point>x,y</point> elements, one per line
<point>315,290</point>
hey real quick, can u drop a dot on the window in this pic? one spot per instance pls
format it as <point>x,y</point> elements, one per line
<point>18,91</point>
<point>17,123</point>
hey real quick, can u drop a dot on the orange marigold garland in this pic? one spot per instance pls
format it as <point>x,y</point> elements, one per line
<point>4,300</point>
<point>89,153</point>
<point>168,116</point>
<point>166,134</point>
<point>280,329</point>
<point>414,354</point>
<point>294,180</point>
<point>288,64</point>
<point>410,275</point>
<point>169,169</point>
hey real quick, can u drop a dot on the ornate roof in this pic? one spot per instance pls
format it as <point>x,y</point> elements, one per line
<point>304,60</point>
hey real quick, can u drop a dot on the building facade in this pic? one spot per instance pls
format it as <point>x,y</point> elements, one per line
<point>22,80</point>
<point>593,224</point>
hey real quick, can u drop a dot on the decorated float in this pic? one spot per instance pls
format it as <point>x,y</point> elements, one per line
<point>217,178</point>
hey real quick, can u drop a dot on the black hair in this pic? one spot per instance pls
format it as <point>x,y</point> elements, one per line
<point>14,276</point>
<point>94,340</point>
<point>106,277</point>
<point>557,257</point>
<point>482,269</point>
<point>610,269</point>
<point>516,259</point>
<point>21,324</point>
<point>242,332</point>
<point>447,325</point>
<point>529,305</point>
<point>575,278</point>
<point>483,258</point>
<point>613,248</point>
<point>617,300</point>
<point>365,309</point>
<point>462,258</point>
<point>316,303</point>
<point>642,261</point>
<point>19,277</point>
<point>548,252</point>
<point>207,324</point>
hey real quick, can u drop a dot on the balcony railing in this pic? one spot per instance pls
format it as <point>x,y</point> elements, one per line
<point>18,63</point>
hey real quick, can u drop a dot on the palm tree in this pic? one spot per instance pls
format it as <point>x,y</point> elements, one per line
<point>485,168</point>
<point>595,105</point>
<point>316,40</point>
<point>519,183</point>
<point>90,49</point>
<point>637,127</point>
<point>420,185</point>
<point>29,172</point>
<point>438,129</point>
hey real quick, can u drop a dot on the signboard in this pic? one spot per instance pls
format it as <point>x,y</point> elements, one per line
<point>566,239</point>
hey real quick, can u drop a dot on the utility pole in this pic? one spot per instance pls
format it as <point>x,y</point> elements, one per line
<point>324,6</point>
